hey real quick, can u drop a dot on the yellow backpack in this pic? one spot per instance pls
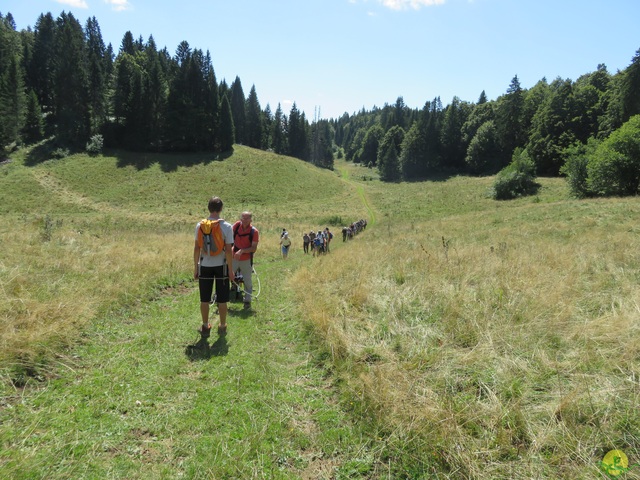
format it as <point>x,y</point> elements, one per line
<point>210,238</point>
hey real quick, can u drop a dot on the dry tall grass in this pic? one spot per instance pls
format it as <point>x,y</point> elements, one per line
<point>491,345</point>
<point>67,272</point>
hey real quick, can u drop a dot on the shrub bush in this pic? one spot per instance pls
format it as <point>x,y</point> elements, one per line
<point>576,167</point>
<point>95,145</point>
<point>518,179</point>
<point>60,153</point>
<point>614,167</point>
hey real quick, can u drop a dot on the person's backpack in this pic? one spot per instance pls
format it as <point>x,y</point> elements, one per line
<point>210,238</point>
<point>236,234</point>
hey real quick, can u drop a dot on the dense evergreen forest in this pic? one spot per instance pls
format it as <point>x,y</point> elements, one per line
<point>59,81</point>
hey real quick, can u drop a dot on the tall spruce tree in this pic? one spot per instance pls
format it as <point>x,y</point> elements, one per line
<point>389,154</point>
<point>227,129</point>
<point>179,125</point>
<point>71,83</point>
<point>453,146</point>
<point>279,135</point>
<point>12,95</point>
<point>298,136</point>
<point>96,66</point>
<point>40,71</point>
<point>509,120</point>
<point>155,96</point>
<point>238,110</point>
<point>254,122</point>
<point>213,104</point>
<point>267,131</point>
<point>33,129</point>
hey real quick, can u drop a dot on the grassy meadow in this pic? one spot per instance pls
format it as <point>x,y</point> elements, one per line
<point>457,337</point>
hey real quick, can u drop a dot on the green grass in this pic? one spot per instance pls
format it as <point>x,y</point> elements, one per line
<point>139,401</point>
<point>457,337</point>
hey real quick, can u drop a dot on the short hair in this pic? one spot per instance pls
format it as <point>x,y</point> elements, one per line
<point>215,204</point>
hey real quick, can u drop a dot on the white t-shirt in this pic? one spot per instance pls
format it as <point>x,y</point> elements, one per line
<point>216,260</point>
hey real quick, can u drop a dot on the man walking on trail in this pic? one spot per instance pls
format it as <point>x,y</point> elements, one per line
<point>209,268</point>
<point>245,244</point>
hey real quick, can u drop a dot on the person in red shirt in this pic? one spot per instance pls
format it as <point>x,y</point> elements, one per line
<point>245,244</point>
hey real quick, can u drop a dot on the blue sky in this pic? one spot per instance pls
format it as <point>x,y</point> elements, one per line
<point>342,55</point>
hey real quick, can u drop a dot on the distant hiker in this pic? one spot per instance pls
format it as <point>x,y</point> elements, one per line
<point>312,239</point>
<point>306,240</point>
<point>318,244</point>
<point>245,244</point>
<point>345,230</point>
<point>213,260</point>
<point>285,243</point>
<point>328,237</point>
<point>284,231</point>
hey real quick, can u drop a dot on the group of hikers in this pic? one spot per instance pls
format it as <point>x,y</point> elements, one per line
<point>352,230</point>
<point>319,243</point>
<point>223,258</point>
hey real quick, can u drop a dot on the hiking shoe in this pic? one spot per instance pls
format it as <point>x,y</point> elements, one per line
<point>205,331</point>
<point>247,305</point>
<point>222,329</point>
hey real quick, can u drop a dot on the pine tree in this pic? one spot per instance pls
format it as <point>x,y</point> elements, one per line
<point>388,154</point>
<point>267,121</point>
<point>128,45</point>
<point>226,126</point>
<point>12,96</point>
<point>279,133</point>
<point>399,114</point>
<point>238,110</point>
<point>212,104</point>
<point>97,76</point>
<point>254,124</point>
<point>372,139</point>
<point>40,71</point>
<point>453,147</point>
<point>298,135</point>
<point>179,126</point>
<point>509,120</point>
<point>71,83</point>
<point>155,96</point>
<point>33,129</point>
<point>413,156</point>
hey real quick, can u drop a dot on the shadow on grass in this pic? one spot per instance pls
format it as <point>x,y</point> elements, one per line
<point>242,313</point>
<point>203,351</point>
<point>46,150</point>
<point>168,162</point>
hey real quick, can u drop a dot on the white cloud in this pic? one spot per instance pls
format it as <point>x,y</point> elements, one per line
<point>74,3</point>
<point>405,4</point>
<point>119,5</point>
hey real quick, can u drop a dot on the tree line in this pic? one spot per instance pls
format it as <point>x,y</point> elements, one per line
<point>584,129</point>
<point>60,81</point>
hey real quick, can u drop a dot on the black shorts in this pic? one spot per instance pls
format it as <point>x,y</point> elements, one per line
<point>205,282</point>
